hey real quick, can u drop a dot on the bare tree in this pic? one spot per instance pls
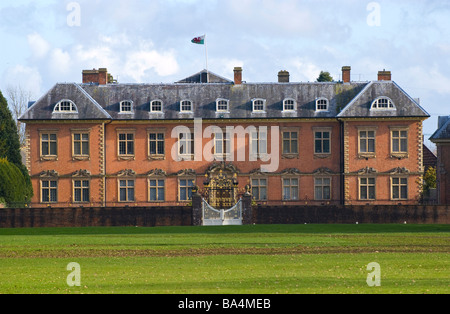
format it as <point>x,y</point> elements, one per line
<point>18,102</point>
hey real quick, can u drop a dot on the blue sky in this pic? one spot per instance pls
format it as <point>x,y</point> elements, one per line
<point>50,41</point>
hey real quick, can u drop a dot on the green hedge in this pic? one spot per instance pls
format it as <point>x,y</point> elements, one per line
<point>15,189</point>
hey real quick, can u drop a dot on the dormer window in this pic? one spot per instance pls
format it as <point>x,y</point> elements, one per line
<point>126,106</point>
<point>383,103</point>
<point>289,104</point>
<point>65,106</point>
<point>322,104</point>
<point>259,105</point>
<point>186,106</point>
<point>222,105</point>
<point>156,106</point>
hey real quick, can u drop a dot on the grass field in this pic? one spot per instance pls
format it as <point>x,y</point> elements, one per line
<point>257,259</point>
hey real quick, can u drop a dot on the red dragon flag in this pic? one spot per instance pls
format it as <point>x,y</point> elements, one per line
<point>199,40</point>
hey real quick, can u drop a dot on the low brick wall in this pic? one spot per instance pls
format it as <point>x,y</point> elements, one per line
<point>183,216</point>
<point>95,217</point>
<point>430,214</point>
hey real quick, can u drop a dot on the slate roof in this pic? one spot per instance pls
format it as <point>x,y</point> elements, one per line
<point>443,131</point>
<point>204,98</point>
<point>103,101</point>
<point>405,106</point>
<point>87,107</point>
<point>429,159</point>
<point>200,77</point>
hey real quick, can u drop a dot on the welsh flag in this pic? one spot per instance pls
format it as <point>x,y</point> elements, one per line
<point>199,40</point>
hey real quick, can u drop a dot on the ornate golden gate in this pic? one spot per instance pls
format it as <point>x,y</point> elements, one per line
<point>221,186</point>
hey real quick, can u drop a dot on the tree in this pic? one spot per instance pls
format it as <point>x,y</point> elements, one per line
<point>429,179</point>
<point>325,77</point>
<point>15,190</point>
<point>18,102</point>
<point>12,159</point>
<point>9,138</point>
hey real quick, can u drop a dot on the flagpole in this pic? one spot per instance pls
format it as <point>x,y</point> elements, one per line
<point>206,53</point>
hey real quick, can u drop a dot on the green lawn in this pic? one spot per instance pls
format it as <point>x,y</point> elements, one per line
<point>236,259</point>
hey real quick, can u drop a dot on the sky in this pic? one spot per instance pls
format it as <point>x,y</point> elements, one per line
<point>149,41</point>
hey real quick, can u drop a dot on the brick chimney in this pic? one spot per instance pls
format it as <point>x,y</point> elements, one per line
<point>283,77</point>
<point>384,75</point>
<point>99,76</point>
<point>238,75</point>
<point>346,71</point>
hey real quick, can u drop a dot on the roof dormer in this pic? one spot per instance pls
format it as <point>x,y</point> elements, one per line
<point>65,106</point>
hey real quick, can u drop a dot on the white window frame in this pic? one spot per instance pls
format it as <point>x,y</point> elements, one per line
<point>191,105</point>
<point>153,102</point>
<point>322,101</point>
<point>122,106</point>
<point>285,104</point>
<point>220,102</point>
<point>73,107</point>
<point>259,102</point>
<point>376,104</point>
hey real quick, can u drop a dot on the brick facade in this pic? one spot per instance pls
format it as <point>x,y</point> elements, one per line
<point>442,140</point>
<point>100,156</point>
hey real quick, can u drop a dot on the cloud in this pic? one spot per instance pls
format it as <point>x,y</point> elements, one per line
<point>138,64</point>
<point>305,70</point>
<point>39,46</point>
<point>59,62</point>
<point>431,79</point>
<point>28,78</point>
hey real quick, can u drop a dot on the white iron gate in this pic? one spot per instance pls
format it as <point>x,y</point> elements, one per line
<point>222,217</point>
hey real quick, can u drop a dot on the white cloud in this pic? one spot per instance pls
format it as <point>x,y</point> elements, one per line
<point>305,70</point>
<point>28,78</point>
<point>140,62</point>
<point>39,46</point>
<point>59,62</point>
<point>430,79</point>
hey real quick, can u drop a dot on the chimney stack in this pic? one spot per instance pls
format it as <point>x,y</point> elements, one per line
<point>384,75</point>
<point>238,75</point>
<point>99,76</point>
<point>346,71</point>
<point>283,77</point>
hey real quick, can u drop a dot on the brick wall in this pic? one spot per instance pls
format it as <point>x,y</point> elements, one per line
<point>351,214</point>
<point>442,173</point>
<point>95,217</point>
<point>183,216</point>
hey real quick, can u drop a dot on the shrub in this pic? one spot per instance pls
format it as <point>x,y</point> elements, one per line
<point>15,190</point>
